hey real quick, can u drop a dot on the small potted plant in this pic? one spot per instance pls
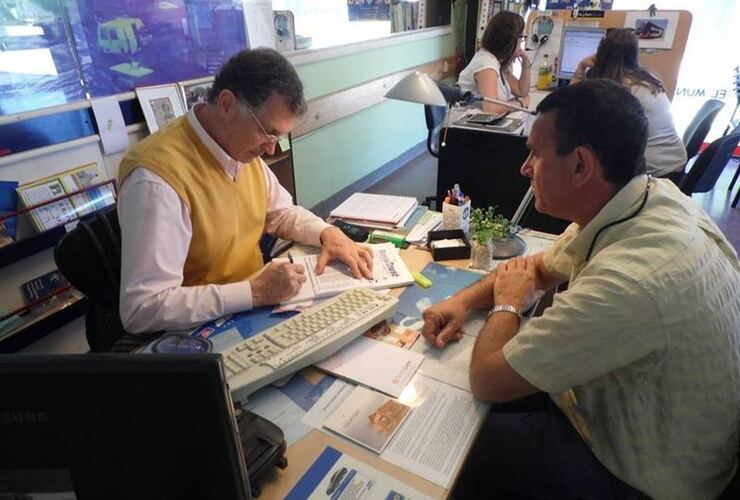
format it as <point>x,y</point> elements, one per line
<point>482,230</point>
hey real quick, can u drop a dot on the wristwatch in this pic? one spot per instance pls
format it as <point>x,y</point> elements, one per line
<point>505,308</point>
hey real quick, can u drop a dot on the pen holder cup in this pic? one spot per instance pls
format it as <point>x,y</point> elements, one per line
<point>456,216</point>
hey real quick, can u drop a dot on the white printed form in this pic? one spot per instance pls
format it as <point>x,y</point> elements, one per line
<point>433,441</point>
<point>451,364</point>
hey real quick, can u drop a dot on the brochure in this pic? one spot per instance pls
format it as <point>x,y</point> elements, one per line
<point>340,477</point>
<point>43,286</point>
<point>374,364</point>
<point>392,334</point>
<point>368,418</point>
<point>389,271</point>
<point>68,208</point>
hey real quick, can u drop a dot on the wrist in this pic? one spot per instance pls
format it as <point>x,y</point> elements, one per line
<point>506,309</point>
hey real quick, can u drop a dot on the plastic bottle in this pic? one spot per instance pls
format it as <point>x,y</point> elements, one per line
<point>544,75</point>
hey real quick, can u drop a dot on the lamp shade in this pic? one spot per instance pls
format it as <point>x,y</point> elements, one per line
<point>417,87</point>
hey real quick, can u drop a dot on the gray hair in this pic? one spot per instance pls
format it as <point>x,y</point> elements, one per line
<point>254,75</point>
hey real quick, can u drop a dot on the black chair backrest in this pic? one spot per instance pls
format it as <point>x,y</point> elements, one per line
<point>434,115</point>
<point>709,165</point>
<point>89,256</point>
<point>696,132</point>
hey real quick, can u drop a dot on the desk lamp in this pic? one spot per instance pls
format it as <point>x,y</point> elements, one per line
<point>419,87</point>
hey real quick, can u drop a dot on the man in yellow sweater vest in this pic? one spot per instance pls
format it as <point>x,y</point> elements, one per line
<point>196,197</point>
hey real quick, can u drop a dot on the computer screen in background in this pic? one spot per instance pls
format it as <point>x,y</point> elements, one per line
<point>576,43</point>
<point>118,426</point>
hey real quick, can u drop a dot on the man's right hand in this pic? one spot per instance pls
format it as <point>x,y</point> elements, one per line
<point>278,282</point>
<point>443,322</point>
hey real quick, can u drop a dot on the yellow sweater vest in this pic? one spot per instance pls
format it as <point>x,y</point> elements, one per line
<point>228,217</point>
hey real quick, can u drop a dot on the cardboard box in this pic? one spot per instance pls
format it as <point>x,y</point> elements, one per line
<point>459,252</point>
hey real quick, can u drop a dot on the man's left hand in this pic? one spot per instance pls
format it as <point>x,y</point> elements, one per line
<point>515,284</point>
<point>336,245</point>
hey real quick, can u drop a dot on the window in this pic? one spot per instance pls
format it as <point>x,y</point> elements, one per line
<point>325,23</point>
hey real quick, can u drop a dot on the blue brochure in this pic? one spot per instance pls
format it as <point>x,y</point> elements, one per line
<point>446,281</point>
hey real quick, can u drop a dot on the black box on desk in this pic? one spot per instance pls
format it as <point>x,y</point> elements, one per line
<point>461,252</point>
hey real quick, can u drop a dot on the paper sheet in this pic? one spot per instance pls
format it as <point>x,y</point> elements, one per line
<point>375,207</point>
<point>111,127</point>
<point>451,364</point>
<point>258,14</point>
<point>327,403</point>
<point>389,271</point>
<point>432,441</point>
<point>374,364</point>
<point>338,476</point>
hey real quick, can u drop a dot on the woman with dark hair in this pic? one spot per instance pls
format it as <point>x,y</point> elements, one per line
<point>616,59</point>
<point>489,72</point>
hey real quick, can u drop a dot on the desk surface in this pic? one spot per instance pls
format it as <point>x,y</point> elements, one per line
<point>302,454</point>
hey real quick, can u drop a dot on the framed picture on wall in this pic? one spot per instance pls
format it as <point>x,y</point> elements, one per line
<point>196,91</point>
<point>161,105</point>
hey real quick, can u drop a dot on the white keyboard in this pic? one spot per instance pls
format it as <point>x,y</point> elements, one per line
<point>304,339</point>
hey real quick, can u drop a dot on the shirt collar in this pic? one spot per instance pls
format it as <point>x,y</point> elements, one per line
<point>230,165</point>
<point>621,205</point>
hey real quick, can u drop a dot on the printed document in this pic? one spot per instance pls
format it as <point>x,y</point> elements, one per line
<point>374,364</point>
<point>375,207</point>
<point>451,364</point>
<point>431,443</point>
<point>389,271</point>
<point>340,477</point>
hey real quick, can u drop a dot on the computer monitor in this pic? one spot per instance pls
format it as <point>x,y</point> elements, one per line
<point>118,426</point>
<point>576,42</point>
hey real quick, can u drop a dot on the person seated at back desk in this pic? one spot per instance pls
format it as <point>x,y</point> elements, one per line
<point>640,353</point>
<point>616,59</point>
<point>196,197</point>
<point>489,73</point>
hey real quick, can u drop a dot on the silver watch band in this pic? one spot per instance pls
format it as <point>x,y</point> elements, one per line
<point>505,308</point>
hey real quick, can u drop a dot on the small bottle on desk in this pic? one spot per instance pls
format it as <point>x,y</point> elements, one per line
<point>544,75</point>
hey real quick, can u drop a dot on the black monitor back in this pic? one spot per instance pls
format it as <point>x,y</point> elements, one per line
<point>487,167</point>
<point>120,426</point>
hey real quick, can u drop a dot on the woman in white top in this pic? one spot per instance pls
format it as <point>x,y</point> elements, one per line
<point>616,59</point>
<point>489,72</point>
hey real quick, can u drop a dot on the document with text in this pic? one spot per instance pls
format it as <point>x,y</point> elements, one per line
<point>451,364</point>
<point>389,271</point>
<point>432,442</point>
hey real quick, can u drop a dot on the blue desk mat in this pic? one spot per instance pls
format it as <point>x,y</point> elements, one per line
<point>446,281</point>
<point>224,332</point>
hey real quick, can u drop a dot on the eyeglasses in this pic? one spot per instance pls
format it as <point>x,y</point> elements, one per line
<point>270,137</point>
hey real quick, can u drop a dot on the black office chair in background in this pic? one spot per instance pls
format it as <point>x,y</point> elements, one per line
<point>697,130</point>
<point>89,257</point>
<point>709,164</point>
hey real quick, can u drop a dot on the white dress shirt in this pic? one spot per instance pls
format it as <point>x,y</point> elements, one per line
<point>156,233</point>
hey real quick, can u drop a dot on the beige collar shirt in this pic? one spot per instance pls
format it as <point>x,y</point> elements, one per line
<point>642,352</point>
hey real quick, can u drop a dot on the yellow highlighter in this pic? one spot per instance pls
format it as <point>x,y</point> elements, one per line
<point>422,280</point>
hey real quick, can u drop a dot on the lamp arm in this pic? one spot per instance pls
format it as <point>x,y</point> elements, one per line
<point>504,103</point>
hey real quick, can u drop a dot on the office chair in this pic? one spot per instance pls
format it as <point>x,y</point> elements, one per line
<point>697,130</point>
<point>435,116</point>
<point>709,164</point>
<point>89,257</point>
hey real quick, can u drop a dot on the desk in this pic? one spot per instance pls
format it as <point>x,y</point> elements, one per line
<point>302,454</point>
<point>487,167</point>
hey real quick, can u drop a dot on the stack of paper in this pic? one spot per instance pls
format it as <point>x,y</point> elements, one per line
<point>376,210</point>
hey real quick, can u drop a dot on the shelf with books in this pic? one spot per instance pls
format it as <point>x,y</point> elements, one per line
<point>51,207</point>
<point>23,326</point>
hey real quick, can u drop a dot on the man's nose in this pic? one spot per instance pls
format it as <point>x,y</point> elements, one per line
<point>526,168</point>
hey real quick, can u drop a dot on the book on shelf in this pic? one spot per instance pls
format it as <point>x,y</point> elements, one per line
<point>67,207</point>
<point>13,322</point>
<point>43,286</point>
<point>8,206</point>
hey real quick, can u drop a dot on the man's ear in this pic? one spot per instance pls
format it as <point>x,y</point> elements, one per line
<point>586,165</point>
<point>225,102</point>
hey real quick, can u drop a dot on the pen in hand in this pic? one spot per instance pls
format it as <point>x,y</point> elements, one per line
<point>290,258</point>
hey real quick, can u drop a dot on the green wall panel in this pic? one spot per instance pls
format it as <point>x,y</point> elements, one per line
<point>331,158</point>
<point>331,75</point>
